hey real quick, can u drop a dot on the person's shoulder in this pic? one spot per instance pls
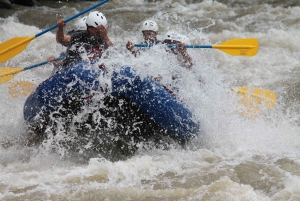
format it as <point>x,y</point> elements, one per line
<point>71,32</point>
<point>77,33</point>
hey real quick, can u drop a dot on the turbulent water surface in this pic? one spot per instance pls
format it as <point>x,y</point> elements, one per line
<point>234,157</point>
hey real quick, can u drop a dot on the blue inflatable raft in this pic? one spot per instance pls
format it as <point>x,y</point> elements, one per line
<point>146,94</point>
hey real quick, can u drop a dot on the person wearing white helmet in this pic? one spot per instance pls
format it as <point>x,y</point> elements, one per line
<point>81,25</point>
<point>149,29</point>
<point>175,38</point>
<point>92,41</point>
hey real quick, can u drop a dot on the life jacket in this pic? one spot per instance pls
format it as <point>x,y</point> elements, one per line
<point>84,43</point>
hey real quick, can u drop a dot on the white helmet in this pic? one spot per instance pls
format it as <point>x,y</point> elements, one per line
<point>96,18</point>
<point>173,35</point>
<point>149,25</point>
<point>81,23</point>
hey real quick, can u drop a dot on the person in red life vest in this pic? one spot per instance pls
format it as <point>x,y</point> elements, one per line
<point>91,42</point>
<point>150,30</point>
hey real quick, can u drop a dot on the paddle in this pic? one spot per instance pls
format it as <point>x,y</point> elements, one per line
<point>253,99</point>
<point>7,73</point>
<point>12,47</point>
<point>21,88</point>
<point>235,47</point>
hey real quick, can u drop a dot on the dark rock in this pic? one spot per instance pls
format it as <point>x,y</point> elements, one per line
<point>24,2</point>
<point>5,4</point>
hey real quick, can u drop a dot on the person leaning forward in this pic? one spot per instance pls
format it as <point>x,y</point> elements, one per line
<point>93,41</point>
<point>174,38</point>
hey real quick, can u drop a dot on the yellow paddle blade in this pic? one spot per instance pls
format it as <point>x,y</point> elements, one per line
<point>253,99</point>
<point>21,88</point>
<point>14,46</point>
<point>259,96</point>
<point>7,73</point>
<point>239,47</point>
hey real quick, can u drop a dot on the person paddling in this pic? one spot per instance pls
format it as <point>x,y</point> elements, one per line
<point>81,25</point>
<point>92,42</point>
<point>150,32</point>
<point>174,38</point>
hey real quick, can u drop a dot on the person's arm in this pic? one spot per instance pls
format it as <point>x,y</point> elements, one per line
<point>60,36</point>
<point>56,63</point>
<point>103,31</point>
<point>186,57</point>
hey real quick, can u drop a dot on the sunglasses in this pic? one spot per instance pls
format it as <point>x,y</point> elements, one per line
<point>171,41</point>
<point>149,33</point>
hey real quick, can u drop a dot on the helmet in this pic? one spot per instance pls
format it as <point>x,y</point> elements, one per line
<point>96,18</point>
<point>149,25</point>
<point>81,23</point>
<point>173,35</point>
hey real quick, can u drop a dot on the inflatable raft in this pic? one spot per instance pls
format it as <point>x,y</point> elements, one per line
<point>81,81</point>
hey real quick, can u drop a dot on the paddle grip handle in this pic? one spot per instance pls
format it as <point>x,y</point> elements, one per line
<point>198,46</point>
<point>73,17</point>
<point>175,45</point>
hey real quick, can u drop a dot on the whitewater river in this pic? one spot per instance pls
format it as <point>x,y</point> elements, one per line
<point>234,157</point>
